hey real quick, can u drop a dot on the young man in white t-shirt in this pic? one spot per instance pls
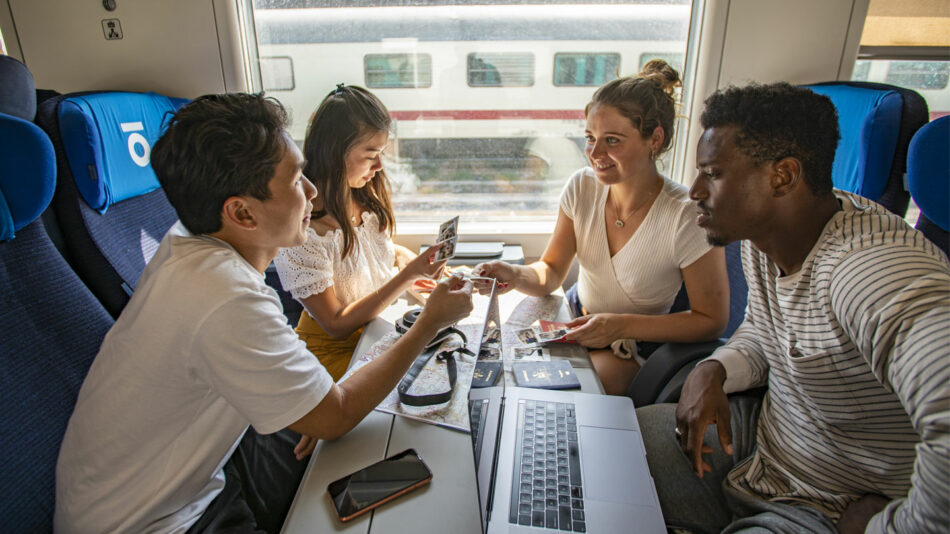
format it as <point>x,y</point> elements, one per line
<point>203,349</point>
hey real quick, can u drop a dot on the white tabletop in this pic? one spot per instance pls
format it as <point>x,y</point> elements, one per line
<point>449,503</point>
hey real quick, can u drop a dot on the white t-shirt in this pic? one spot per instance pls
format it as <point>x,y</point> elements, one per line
<point>645,275</point>
<point>318,264</point>
<point>201,350</point>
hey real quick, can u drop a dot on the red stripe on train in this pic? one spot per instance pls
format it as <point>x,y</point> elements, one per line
<point>488,114</point>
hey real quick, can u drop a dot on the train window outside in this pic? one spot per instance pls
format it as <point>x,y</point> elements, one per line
<point>487,97</point>
<point>277,73</point>
<point>501,69</point>
<point>391,71</point>
<point>590,69</point>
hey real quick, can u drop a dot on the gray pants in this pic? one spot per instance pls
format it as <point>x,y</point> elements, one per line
<point>704,505</point>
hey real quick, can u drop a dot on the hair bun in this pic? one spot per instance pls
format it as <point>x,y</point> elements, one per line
<point>661,73</point>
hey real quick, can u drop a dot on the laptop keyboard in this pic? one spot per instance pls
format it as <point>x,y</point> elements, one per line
<point>546,489</point>
<point>477,415</point>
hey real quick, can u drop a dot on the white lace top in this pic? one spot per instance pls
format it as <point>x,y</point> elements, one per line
<point>316,265</point>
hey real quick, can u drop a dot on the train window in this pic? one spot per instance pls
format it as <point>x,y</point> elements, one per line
<point>487,97</point>
<point>277,73</point>
<point>919,74</point>
<point>390,71</point>
<point>501,69</point>
<point>586,69</point>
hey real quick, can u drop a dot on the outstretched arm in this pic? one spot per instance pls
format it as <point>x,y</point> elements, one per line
<point>541,277</point>
<point>340,321</point>
<point>347,403</point>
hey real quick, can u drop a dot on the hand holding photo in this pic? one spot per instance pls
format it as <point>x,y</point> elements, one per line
<point>553,332</point>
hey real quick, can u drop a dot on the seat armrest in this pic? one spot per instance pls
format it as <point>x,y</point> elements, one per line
<point>651,383</point>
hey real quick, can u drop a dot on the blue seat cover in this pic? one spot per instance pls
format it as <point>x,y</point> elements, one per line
<point>928,171</point>
<point>25,154</point>
<point>108,137</point>
<point>869,121</point>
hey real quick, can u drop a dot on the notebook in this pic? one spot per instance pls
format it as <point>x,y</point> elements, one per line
<point>560,461</point>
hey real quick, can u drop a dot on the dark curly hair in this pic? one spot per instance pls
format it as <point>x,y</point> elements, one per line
<point>780,120</point>
<point>216,147</point>
<point>646,99</point>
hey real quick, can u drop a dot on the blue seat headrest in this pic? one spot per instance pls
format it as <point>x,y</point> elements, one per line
<point>108,138</point>
<point>27,174</point>
<point>17,91</point>
<point>869,121</point>
<point>928,170</point>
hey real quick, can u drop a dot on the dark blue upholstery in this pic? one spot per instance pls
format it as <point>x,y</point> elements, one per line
<point>877,122</point>
<point>27,153</point>
<point>928,178</point>
<point>17,93</point>
<point>52,328</point>
<point>108,250</point>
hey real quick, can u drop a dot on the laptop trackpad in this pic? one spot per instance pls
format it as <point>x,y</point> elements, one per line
<point>614,466</point>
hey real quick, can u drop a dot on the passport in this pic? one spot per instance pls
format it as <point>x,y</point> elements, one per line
<point>486,374</point>
<point>552,374</point>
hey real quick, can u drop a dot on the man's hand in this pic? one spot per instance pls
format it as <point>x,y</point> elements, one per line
<point>450,302</point>
<point>304,446</point>
<point>597,330</point>
<point>702,403</point>
<point>855,518</point>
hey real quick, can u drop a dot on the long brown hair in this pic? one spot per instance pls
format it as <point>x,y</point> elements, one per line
<point>345,117</point>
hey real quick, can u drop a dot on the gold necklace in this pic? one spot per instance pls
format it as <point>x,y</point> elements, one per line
<point>619,222</point>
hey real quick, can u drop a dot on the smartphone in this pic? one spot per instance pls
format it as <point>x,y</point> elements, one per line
<point>368,488</point>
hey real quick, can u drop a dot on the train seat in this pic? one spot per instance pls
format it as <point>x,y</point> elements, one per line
<point>662,376</point>
<point>111,210</point>
<point>52,324</point>
<point>876,121</point>
<point>17,94</point>
<point>928,178</point>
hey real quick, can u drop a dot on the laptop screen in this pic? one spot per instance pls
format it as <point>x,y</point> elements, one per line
<point>485,402</point>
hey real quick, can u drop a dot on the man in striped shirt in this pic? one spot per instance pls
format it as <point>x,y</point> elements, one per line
<point>847,325</point>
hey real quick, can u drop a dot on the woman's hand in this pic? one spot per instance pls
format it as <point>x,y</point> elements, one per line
<point>503,273</point>
<point>597,330</point>
<point>424,266</point>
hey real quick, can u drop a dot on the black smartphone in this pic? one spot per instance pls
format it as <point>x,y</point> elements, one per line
<point>368,488</point>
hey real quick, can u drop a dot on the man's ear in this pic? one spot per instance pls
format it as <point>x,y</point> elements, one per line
<point>786,176</point>
<point>237,212</point>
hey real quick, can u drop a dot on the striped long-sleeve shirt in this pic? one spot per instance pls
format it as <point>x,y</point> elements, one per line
<point>855,349</point>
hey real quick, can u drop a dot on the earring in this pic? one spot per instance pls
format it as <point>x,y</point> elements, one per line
<point>653,155</point>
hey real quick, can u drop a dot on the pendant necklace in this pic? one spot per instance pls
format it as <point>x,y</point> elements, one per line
<point>619,221</point>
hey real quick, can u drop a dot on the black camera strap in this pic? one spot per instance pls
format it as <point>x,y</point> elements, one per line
<point>447,356</point>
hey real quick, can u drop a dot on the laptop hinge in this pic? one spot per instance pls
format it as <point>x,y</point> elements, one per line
<point>494,463</point>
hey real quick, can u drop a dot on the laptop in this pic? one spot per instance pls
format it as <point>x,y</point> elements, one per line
<point>559,461</point>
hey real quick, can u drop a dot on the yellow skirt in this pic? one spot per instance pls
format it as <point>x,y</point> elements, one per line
<point>334,354</point>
